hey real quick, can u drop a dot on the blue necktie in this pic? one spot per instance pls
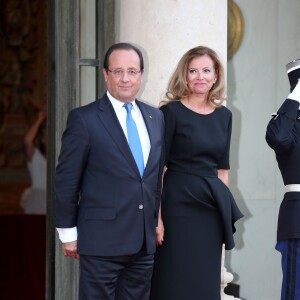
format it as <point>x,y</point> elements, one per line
<point>134,139</point>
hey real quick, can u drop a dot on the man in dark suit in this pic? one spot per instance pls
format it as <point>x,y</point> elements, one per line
<point>108,184</point>
<point>283,136</point>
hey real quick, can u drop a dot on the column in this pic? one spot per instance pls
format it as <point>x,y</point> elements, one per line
<point>165,30</point>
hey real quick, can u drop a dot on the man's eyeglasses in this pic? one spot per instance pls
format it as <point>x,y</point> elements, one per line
<point>132,73</point>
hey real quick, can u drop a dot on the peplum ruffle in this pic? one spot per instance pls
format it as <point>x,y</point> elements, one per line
<point>228,208</point>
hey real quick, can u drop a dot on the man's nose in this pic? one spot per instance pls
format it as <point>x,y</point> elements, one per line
<point>124,76</point>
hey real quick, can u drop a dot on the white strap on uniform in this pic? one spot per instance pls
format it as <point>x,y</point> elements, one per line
<point>292,188</point>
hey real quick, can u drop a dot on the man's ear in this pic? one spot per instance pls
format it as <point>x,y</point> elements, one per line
<point>104,72</point>
<point>142,75</point>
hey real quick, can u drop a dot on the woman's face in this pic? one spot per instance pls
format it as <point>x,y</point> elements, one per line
<point>201,75</point>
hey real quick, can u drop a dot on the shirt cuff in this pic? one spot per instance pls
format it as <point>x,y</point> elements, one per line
<point>67,234</point>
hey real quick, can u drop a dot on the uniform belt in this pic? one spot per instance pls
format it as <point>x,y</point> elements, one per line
<point>292,188</point>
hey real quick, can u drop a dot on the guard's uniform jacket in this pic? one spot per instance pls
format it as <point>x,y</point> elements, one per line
<point>283,136</point>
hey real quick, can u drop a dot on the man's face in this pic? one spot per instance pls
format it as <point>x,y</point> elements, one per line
<point>123,80</point>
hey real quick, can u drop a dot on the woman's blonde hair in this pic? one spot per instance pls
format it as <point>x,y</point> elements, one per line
<point>178,87</point>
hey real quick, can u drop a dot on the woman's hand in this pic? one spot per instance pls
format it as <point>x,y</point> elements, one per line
<point>160,230</point>
<point>223,175</point>
<point>41,116</point>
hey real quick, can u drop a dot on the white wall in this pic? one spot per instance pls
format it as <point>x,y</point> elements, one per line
<point>165,30</point>
<point>257,85</point>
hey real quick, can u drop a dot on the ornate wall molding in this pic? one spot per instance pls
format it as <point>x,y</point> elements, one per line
<point>23,77</point>
<point>235,28</point>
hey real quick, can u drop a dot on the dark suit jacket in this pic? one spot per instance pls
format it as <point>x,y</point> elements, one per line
<point>283,136</point>
<point>98,187</point>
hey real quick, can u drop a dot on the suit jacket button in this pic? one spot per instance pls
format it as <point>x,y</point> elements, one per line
<point>141,206</point>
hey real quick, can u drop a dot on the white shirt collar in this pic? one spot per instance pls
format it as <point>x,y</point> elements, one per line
<point>117,104</point>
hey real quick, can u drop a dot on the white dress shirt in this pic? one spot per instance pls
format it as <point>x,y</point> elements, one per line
<point>70,234</point>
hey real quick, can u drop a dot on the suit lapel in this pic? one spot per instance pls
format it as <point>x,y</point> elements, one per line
<point>111,123</point>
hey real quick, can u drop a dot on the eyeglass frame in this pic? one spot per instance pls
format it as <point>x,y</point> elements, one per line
<point>122,72</point>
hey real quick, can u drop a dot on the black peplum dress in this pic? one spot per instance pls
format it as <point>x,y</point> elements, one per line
<point>198,209</point>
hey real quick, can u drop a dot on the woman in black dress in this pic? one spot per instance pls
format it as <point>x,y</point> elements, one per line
<point>198,211</point>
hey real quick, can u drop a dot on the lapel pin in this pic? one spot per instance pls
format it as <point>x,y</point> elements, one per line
<point>150,117</point>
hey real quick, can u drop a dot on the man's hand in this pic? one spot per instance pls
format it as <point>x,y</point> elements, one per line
<point>70,249</point>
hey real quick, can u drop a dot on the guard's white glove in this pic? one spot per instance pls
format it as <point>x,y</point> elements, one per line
<point>295,94</point>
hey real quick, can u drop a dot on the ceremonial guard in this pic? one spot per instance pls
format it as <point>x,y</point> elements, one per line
<point>283,136</point>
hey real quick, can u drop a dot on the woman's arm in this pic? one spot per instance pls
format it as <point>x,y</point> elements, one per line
<point>31,134</point>
<point>160,230</point>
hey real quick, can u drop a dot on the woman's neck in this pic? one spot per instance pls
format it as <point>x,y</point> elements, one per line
<point>198,104</point>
